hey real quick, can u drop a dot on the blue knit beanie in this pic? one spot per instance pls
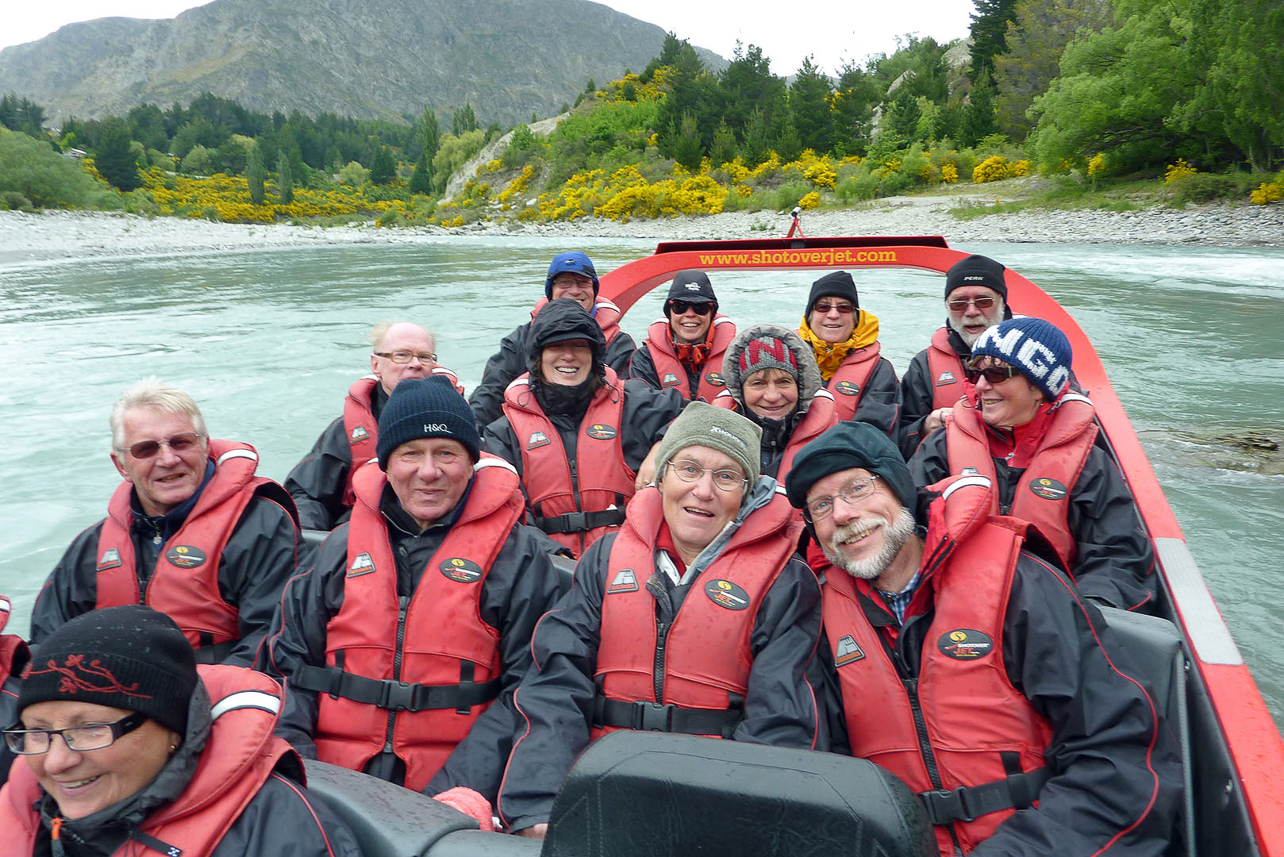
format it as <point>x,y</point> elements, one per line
<point>1035,347</point>
<point>426,407</point>
<point>573,262</point>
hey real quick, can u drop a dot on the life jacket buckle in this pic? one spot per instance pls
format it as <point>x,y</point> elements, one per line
<point>652,717</point>
<point>397,696</point>
<point>946,805</point>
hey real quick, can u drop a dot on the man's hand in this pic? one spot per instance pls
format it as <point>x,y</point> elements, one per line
<point>934,420</point>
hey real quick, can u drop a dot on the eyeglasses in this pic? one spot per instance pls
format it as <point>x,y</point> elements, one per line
<point>179,443</point>
<point>680,307</point>
<point>856,491</point>
<point>961,305</point>
<point>826,309</point>
<point>33,742</point>
<point>723,480</point>
<point>402,357</point>
<point>993,374</point>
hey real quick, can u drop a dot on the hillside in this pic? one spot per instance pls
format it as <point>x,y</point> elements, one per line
<point>362,58</point>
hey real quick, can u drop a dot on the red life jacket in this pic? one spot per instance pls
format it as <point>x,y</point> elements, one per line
<point>849,380</point>
<point>573,504</point>
<point>13,650</point>
<point>821,416</point>
<point>360,426</point>
<point>671,371</point>
<point>191,598</point>
<point>1042,495</point>
<point>945,368</point>
<point>606,314</point>
<point>413,673</point>
<point>239,756</point>
<point>706,655</point>
<point>978,728</point>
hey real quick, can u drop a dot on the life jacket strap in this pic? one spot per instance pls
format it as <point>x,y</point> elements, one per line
<point>581,522</point>
<point>968,803</point>
<point>655,717</point>
<point>214,653</point>
<point>394,695</point>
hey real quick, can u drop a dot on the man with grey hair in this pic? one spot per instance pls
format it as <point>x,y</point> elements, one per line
<point>191,532</point>
<point>321,484</point>
<point>695,617</point>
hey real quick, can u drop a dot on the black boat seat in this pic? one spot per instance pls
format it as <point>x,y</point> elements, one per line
<point>648,793</point>
<point>1154,646</point>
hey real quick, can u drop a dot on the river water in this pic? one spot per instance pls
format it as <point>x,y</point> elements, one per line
<point>267,341</point>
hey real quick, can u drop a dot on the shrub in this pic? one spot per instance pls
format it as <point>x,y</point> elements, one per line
<point>809,201</point>
<point>991,169</point>
<point>1203,187</point>
<point>388,218</point>
<point>45,179</point>
<point>1176,172</point>
<point>1268,192</point>
<point>353,174</point>
<point>11,200</point>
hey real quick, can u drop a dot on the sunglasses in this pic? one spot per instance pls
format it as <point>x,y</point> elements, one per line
<point>961,305</point>
<point>993,374</point>
<point>825,309</point>
<point>680,307</point>
<point>179,443</point>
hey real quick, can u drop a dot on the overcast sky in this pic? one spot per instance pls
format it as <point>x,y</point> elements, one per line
<point>833,31</point>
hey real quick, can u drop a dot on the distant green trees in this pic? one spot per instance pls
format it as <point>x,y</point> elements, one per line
<point>114,157</point>
<point>33,174</point>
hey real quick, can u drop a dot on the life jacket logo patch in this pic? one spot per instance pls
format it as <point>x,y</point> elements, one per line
<point>461,570</point>
<point>624,581</point>
<point>946,377</point>
<point>670,380</point>
<point>847,388</point>
<point>363,564</point>
<point>358,434</point>
<point>599,431</point>
<point>109,559</point>
<point>185,556</point>
<point>724,593</point>
<point>847,652</point>
<point>537,440</point>
<point>1048,489</point>
<point>965,644</point>
<point>715,379</point>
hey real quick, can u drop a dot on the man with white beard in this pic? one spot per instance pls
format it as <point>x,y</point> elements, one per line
<point>976,298</point>
<point>970,668</point>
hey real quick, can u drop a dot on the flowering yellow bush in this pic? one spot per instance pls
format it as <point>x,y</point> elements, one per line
<point>1268,192</point>
<point>1021,168</point>
<point>810,201</point>
<point>492,166</point>
<point>992,169</point>
<point>517,185</point>
<point>1097,164</point>
<point>949,173</point>
<point>1179,170</point>
<point>819,171</point>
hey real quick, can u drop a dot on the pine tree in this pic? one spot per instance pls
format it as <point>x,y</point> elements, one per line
<point>114,157</point>
<point>255,175</point>
<point>809,99</point>
<point>284,180</point>
<point>989,31</point>
<point>421,178</point>
<point>383,169</point>
<point>978,116</point>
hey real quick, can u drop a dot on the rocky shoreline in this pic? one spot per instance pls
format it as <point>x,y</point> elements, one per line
<point>55,235</point>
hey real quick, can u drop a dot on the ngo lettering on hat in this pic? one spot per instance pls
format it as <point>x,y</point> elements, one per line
<point>1032,356</point>
<point>720,430</point>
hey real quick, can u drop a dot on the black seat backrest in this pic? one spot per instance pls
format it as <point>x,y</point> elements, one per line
<point>648,793</point>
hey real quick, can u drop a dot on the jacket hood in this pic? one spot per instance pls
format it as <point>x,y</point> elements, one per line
<point>809,381</point>
<point>559,321</point>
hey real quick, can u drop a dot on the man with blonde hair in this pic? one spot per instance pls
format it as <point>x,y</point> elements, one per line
<point>321,484</point>
<point>191,531</point>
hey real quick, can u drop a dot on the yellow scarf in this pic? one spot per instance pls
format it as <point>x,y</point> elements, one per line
<point>829,356</point>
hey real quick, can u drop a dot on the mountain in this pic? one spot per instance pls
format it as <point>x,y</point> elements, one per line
<point>362,58</point>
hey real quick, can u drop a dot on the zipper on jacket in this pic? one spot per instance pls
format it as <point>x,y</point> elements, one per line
<point>403,605</point>
<point>924,742</point>
<point>575,493</point>
<point>657,670</point>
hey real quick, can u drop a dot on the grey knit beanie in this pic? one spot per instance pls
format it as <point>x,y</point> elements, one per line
<point>702,424</point>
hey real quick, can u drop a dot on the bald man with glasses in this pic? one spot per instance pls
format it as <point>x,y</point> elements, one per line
<point>191,531</point>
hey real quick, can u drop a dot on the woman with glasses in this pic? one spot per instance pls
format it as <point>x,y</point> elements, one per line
<point>696,617</point>
<point>844,341</point>
<point>127,748</point>
<point>1022,425</point>
<point>684,350</point>
<point>773,381</point>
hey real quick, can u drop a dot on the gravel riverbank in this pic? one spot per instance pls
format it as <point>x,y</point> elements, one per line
<point>51,236</point>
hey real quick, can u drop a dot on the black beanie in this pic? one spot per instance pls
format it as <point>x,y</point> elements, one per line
<point>426,407</point>
<point>976,270</point>
<point>691,286</point>
<point>848,445</point>
<point>558,321</point>
<point>128,657</point>
<point>837,284</point>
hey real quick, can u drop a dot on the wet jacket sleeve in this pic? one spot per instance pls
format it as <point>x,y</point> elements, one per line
<point>642,367</point>
<point>780,703</point>
<point>1116,559</point>
<point>498,439</point>
<point>1116,773</point>
<point>318,481</point>
<point>619,354</point>
<point>880,402</point>
<point>71,588</point>
<point>284,819</point>
<point>520,587</point>
<point>916,403</point>
<point>647,413</point>
<point>553,705</point>
<point>297,638</point>
<point>259,558</point>
<point>503,366</point>
<point>930,462</point>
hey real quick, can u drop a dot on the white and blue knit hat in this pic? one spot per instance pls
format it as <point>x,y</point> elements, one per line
<point>1037,348</point>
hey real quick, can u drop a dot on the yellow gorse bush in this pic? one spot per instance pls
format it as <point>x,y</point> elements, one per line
<point>1268,192</point>
<point>1179,170</point>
